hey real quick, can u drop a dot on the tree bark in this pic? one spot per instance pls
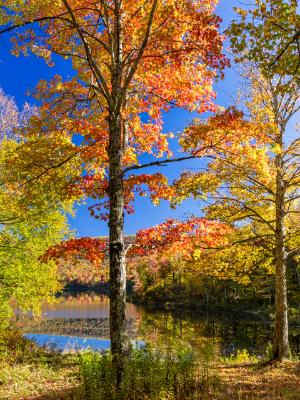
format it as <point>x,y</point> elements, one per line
<point>118,336</point>
<point>281,348</point>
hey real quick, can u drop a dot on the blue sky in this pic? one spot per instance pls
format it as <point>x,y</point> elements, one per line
<point>19,75</point>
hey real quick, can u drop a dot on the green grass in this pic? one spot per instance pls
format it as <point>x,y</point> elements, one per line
<point>241,357</point>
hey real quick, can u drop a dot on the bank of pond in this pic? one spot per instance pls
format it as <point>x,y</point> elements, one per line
<point>85,316</point>
<point>64,354</point>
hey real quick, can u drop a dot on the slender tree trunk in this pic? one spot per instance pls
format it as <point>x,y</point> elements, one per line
<point>179,282</point>
<point>173,281</point>
<point>281,348</point>
<point>119,339</point>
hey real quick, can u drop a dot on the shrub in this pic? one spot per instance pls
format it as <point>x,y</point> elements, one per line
<point>241,357</point>
<point>269,351</point>
<point>13,347</point>
<point>150,373</point>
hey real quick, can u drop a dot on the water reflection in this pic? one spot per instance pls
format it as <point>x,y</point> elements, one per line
<point>85,317</point>
<point>85,306</point>
<point>68,343</point>
<point>72,343</point>
<point>227,334</point>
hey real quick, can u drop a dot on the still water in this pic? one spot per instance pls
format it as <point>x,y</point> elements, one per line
<point>81,321</point>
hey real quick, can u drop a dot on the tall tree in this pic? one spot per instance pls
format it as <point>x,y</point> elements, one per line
<point>132,57</point>
<point>270,40</point>
<point>253,180</point>
<point>32,210</point>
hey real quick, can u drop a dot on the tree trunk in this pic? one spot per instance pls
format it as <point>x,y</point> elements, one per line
<point>281,348</point>
<point>118,336</point>
<point>173,281</point>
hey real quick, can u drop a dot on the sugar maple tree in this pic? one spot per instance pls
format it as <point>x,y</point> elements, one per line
<point>252,181</point>
<point>132,57</point>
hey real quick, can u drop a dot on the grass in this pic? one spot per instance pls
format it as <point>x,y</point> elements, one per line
<point>33,382</point>
<point>235,382</point>
<point>29,373</point>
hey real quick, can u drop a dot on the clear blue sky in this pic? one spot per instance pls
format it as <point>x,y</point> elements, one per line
<point>18,75</point>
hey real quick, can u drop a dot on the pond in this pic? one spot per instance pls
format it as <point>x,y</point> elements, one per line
<point>81,321</point>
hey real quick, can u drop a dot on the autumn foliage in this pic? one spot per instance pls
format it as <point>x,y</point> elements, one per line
<point>175,236</point>
<point>174,66</point>
<point>89,249</point>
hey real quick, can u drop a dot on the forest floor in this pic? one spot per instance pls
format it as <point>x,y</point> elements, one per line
<point>266,382</point>
<point>39,379</point>
<point>58,380</point>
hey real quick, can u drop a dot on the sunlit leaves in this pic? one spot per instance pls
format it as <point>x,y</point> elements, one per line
<point>176,67</point>
<point>268,33</point>
<point>33,206</point>
<point>249,161</point>
<point>180,237</point>
<point>92,250</point>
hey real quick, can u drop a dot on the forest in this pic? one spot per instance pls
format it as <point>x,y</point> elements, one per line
<point>149,200</point>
